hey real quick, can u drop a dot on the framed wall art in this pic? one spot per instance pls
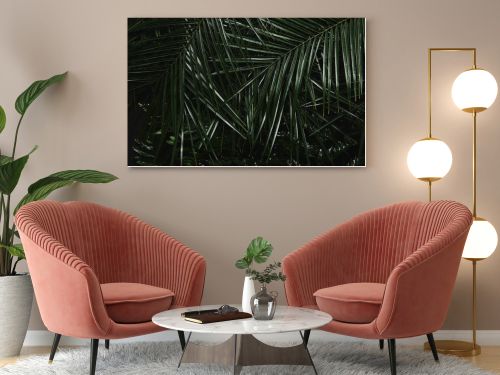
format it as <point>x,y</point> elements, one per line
<point>246,92</point>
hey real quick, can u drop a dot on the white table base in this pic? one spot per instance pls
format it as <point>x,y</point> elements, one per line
<point>246,350</point>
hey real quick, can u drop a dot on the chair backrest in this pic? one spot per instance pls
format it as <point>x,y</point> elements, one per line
<point>418,291</point>
<point>384,237</point>
<point>92,232</point>
<point>368,247</point>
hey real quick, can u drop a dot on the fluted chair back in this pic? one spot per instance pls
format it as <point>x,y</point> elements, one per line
<point>74,247</point>
<point>368,247</point>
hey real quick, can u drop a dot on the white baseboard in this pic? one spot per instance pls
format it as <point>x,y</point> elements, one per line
<point>484,337</point>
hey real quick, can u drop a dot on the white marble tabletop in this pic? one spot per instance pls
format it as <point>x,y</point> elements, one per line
<point>286,319</point>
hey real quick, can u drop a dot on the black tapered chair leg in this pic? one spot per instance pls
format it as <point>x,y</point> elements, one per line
<point>392,355</point>
<point>55,344</point>
<point>307,333</point>
<point>182,339</point>
<point>381,344</point>
<point>432,344</point>
<point>106,344</point>
<point>94,346</point>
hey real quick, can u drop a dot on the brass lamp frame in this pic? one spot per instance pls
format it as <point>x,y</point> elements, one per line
<point>455,347</point>
<point>430,180</point>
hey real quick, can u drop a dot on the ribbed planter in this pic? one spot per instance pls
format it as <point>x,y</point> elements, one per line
<point>16,298</point>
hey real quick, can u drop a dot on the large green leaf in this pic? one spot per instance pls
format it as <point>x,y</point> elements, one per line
<point>15,250</point>
<point>42,193</point>
<point>3,119</point>
<point>10,172</point>
<point>259,250</point>
<point>75,175</point>
<point>31,93</point>
<point>43,187</point>
<point>242,263</point>
<point>4,159</point>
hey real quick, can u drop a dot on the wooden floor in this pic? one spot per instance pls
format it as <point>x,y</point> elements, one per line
<point>26,352</point>
<point>488,360</point>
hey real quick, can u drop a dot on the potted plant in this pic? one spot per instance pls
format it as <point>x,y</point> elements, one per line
<point>16,291</point>
<point>258,251</point>
<point>263,304</point>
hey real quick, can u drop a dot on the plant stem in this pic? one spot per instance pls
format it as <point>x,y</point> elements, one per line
<point>5,235</point>
<point>6,238</point>
<point>3,252</point>
<point>13,271</point>
<point>15,137</point>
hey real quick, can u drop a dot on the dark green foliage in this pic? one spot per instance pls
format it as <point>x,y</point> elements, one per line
<point>31,93</point>
<point>258,250</point>
<point>246,92</point>
<point>43,187</point>
<point>11,170</point>
<point>269,274</point>
<point>3,119</point>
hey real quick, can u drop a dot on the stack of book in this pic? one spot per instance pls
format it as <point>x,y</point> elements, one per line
<point>213,316</point>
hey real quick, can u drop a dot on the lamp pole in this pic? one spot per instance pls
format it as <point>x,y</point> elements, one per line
<point>475,347</point>
<point>454,347</point>
<point>429,96</point>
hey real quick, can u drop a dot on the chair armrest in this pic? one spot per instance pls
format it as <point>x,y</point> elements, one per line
<point>163,261</point>
<point>321,263</point>
<point>419,289</point>
<point>67,290</point>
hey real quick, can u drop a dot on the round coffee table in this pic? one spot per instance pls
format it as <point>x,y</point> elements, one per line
<point>242,348</point>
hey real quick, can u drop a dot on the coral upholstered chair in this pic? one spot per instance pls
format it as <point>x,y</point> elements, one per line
<point>385,274</point>
<point>99,273</point>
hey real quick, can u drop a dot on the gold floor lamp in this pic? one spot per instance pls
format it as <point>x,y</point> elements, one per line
<point>430,159</point>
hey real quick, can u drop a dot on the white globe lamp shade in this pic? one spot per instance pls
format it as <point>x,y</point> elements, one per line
<point>429,159</point>
<point>481,241</point>
<point>474,90</point>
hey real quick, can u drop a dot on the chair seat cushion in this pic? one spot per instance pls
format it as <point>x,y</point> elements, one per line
<point>135,303</point>
<point>351,303</point>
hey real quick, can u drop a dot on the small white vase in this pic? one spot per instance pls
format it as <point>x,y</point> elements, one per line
<point>248,292</point>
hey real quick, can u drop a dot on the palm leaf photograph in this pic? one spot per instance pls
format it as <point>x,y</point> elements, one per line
<point>251,92</point>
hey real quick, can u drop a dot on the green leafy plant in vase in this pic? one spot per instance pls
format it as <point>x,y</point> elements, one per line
<point>16,292</point>
<point>259,250</point>
<point>263,303</point>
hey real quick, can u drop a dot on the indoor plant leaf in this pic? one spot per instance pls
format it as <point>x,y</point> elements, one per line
<point>43,187</point>
<point>31,93</point>
<point>73,175</point>
<point>3,119</point>
<point>10,172</point>
<point>259,250</point>
<point>242,263</point>
<point>261,258</point>
<point>15,250</point>
<point>41,193</point>
<point>4,159</point>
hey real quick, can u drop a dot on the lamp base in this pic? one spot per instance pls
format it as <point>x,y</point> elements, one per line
<point>456,348</point>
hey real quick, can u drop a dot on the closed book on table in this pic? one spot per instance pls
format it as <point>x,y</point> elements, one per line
<point>211,317</point>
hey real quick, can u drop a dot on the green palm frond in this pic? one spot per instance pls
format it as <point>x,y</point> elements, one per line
<point>234,91</point>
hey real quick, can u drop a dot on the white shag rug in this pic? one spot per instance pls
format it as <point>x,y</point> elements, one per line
<point>162,358</point>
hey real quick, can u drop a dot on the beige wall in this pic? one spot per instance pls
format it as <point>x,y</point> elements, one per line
<point>83,124</point>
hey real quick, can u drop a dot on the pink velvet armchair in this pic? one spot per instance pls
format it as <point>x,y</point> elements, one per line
<point>99,273</point>
<point>385,274</point>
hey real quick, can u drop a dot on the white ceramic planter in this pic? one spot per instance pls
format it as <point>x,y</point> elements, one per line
<point>248,292</point>
<point>16,298</point>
